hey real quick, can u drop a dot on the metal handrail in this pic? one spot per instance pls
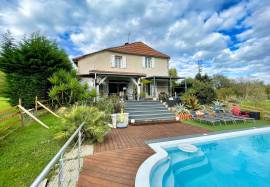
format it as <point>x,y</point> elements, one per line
<point>55,159</point>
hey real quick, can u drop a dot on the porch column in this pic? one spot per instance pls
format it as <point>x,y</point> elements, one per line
<point>138,91</point>
<point>137,83</point>
<point>154,87</point>
<point>99,83</point>
<point>170,87</point>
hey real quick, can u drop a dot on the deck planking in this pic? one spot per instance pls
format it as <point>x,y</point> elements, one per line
<point>116,161</point>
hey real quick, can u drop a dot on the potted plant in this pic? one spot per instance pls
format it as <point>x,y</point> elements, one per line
<point>122,121</point>
<point>182,113</point>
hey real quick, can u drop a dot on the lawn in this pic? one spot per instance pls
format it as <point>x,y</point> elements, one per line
<point>4,103</point>
<point>223,127</point>
<point>264,105</point>
<point>26,151</point>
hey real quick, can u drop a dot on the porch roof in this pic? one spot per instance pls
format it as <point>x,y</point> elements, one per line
<point>113,73</point>
<point>164,77</point>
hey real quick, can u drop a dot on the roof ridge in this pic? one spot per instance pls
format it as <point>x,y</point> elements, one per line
<point>135,48</point>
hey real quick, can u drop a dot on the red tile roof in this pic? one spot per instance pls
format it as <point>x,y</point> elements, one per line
<point>136,48</point>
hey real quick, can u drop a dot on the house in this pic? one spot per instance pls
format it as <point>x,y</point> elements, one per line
<point>132,70</point>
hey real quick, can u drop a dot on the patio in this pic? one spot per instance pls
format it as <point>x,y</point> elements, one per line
<point>116,161</point>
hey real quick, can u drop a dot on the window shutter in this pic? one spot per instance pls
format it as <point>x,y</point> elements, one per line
<point>153,62</point>
<point>124,62</point>
<point>143,61</point>
<point>113,61</point>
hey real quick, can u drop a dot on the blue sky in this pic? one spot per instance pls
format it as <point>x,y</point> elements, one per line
<point>227,37</point>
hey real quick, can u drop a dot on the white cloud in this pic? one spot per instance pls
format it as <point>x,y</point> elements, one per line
<point>188,31</point>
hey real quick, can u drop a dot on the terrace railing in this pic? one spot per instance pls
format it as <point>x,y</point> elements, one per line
<point>64,168</point>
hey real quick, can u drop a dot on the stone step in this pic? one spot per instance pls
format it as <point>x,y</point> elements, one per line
<point>150,114</point>
<point>143,104</point>
<point>157,119</point>
<point>147,111</point>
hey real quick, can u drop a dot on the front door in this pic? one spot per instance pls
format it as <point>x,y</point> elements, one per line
<point>116,87</point>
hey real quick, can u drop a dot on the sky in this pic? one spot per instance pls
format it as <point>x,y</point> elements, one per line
<point>226,37</point>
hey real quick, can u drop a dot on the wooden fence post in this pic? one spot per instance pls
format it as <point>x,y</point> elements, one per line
<point>21,113</point>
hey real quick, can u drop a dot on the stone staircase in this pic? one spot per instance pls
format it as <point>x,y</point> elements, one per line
<point>148,112</point>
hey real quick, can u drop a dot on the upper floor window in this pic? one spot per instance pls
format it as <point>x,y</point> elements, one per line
<point>118,61</point>
<point>148,62</point>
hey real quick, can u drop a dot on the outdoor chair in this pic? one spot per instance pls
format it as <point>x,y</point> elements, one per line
<point>239,118</point>
<point>211,119</point>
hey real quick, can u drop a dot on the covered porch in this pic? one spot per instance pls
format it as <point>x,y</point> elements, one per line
<point>160,84</point>
<point>123,84</point>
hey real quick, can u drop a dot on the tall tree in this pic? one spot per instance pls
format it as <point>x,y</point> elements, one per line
<point>28,64</point>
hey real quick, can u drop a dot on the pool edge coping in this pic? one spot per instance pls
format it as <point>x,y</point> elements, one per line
<point>144,172</point>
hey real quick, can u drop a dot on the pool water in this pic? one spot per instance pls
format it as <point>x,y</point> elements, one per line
<point>235,162</point>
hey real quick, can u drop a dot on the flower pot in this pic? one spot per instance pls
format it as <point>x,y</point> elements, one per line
<point>115,118</point>
<point>184,116</point>
<point>121,125</point>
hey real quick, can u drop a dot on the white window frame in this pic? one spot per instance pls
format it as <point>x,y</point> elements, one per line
<point>148,62</point>
<point>118,61</point>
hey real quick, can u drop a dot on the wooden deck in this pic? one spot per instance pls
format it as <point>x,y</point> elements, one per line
<point>116,161</point>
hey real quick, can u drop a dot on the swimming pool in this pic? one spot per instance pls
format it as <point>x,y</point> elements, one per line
<point>230,159</point>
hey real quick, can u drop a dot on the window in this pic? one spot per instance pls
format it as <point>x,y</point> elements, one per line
<point>118,61</point>
<point>148,62</point>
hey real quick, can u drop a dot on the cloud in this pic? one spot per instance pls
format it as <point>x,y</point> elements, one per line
<point>228,37</point>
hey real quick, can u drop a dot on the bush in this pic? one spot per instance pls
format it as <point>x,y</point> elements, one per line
<point>28,65</point>
<point>96,122</point>
<point>109,104</point>
<point>66,89</point>
<point>192,102</point>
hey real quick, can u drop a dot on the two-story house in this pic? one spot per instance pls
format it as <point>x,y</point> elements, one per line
<point>121,71</point>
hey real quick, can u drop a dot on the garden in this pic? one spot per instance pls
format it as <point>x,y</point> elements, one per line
<point>36,67</point>
<point>209,102</point>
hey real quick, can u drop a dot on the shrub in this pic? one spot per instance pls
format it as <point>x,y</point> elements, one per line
<point>191,101</point>
<point>109,105</point>
<point>28,64</point>
<point>181,109</point>
<point>217,106</point>
<point>96,122</point>
<point>67,89</point>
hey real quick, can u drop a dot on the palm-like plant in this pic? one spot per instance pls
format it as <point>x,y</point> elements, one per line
<point>96,122</point>
<point>217,106</point>
<point>66,88</point>
<point>192,102</point>
<point>181,109</point>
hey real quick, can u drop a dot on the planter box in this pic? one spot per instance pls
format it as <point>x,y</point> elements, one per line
<point>115,118</point>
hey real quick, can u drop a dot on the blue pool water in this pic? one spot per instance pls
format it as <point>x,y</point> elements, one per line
<point>235,162</point>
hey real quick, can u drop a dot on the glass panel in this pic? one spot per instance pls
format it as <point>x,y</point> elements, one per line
<point>118,61</point>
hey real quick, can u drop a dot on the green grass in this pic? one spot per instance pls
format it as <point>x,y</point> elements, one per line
<point>2,83</point>
<point>264,105</point>
<point>26,151</point>
<point>4,103</point>
<point>223,127</point>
